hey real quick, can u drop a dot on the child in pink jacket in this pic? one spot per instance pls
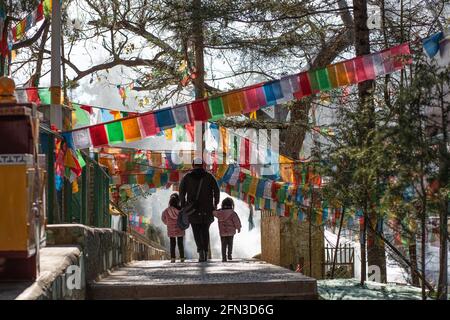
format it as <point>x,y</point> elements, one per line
<point>229,222</point>
<point>169,218</point>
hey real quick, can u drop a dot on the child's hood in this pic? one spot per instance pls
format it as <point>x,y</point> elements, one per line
<point>223,215</point>
<point>172,212</point>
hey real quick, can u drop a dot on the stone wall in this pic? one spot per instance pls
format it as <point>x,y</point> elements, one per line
<point>285,242</point>
<point>103,249</point>
<point>61,277</point>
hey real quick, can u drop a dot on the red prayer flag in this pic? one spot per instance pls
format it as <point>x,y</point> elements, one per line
<point>190,131</point>
<point>86,108</point>
<point>251,103</point>
<point>33,95</point>
<point>260,96</point>
<point>388,61</point>
<point>360,69</point>
<point>246,162</point>
<point>148,125</point>
<point>40,12</point>
<point>401,55</point>
<point>275,187</point>
<point>305,86</point>
<point>369,67</point>
<point>200,111</point>
<point>98,135</point>
<point>174,176</point>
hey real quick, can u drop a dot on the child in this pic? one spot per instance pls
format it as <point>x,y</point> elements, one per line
<point>229,222</point>
<point>169,218</point>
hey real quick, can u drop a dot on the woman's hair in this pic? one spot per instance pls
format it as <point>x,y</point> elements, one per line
<point>228,203</point>
<point>174,200</point>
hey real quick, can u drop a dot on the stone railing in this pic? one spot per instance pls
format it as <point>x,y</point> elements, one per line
<point>77,255</point>
<point>102,248</point>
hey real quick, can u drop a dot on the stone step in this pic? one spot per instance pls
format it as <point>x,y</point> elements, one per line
<point>237,279</point>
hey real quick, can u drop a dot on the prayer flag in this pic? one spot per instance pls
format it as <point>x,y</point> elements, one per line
<point>81,139</point>
<point>378,64</point>
<point>232,103</point>
<point>148,125</point>
<point>368,67</point>
<point>305,85</point>
<point>350,70</point>
<point>33,95</point>
<point>260,96</point>
<point>431,44</point>
<point>324,81</point>
<point>341,74</point>
<point>164,118</point>
<point>314,81</point>
<point>115,132</point>
<point>181,114</point>
<point>45,96</point>
<point>401,56</point>
<point>131,129</point>
<point>360,69</point>
<point>216,108</point>
<point>81,118</point>
<point>200,111</point>
<point>332,75</point>
<point>251,103</point>
<point>98,135</point>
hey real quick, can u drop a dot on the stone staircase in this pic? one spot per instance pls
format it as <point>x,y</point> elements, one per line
<point>237,279</point>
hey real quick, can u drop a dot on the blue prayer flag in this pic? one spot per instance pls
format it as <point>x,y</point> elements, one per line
<point>431,44</point>
<point>164,118</point>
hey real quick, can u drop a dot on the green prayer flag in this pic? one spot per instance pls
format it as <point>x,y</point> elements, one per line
<point>246,184</point>
<point>180,133</point>
<point>313,81</point>
<point>216,108</point>
<point>80,159</point>
<point>82,116</point>
<point>115,132</point>
<point>323,79</point>
<point>47,8</point>
<point>45,96</point>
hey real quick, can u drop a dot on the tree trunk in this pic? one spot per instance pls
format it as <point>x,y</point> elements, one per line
<point>375,249</point>
<point>197,32</point>
<point>423,244</point>
<point>362,242</point>
<point>444,168</point>
<point>412,248</point>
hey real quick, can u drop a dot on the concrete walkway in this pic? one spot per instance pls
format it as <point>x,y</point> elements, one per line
<point>238,279</point>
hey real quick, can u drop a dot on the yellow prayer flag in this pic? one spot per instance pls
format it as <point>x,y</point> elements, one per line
<point>116,114</point>
<point>286,169</point>
<point>168,133</point>
<point>221,170</point>
<point>253,186</point>
<point>75,186</point>
<point>224,137</point>
<point>342,74</point>
<point>131,129</point>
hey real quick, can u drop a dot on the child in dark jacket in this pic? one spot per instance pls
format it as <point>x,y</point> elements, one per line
<point>229,222</point>
<point>169,218</point>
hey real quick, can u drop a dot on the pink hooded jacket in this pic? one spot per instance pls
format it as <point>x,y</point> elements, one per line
<point>169,218</point>
<point>229,222</point>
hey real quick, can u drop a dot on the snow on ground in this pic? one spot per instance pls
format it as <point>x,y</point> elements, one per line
<point>350,289</point>
<point>395,273</point>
